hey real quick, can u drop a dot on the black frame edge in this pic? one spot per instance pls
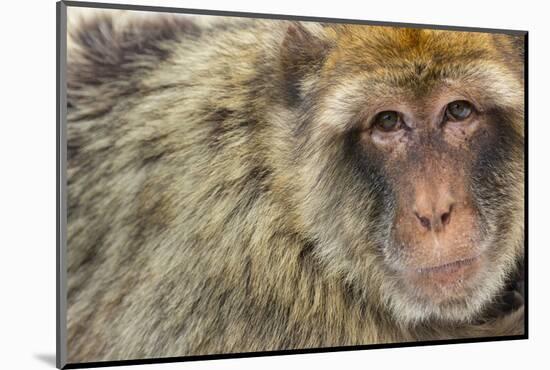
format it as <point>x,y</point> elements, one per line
<point>287,352</point>
<point>227,13</point>
<point>61,217</point>
<point>526,180</point>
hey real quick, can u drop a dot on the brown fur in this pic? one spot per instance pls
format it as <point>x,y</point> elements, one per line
<point>214,206</point>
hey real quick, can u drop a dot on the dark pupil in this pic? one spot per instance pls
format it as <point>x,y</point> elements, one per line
<point>459,110</point>
<point>388,120</point>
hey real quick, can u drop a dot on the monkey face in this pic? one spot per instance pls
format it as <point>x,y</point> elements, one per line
<point>417,158</point>
<point>425,148</point>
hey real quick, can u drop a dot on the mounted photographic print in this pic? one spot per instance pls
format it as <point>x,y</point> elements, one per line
<point>234,184</point>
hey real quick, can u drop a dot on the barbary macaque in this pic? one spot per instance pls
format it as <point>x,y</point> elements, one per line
<point>250,185</point>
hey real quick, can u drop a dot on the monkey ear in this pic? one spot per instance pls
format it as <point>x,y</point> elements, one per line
<point>302,53</point>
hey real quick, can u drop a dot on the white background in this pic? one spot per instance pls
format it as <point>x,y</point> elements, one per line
<point>27,182</point>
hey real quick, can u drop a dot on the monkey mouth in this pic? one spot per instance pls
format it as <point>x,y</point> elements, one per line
<point>448,267</point>
<point>448,280</point>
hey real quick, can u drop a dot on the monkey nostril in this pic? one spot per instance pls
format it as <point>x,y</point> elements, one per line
<point>446,217</point>
<point>424,221</point>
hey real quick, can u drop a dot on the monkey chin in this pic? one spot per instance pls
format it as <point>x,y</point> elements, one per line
<point>453,292</point>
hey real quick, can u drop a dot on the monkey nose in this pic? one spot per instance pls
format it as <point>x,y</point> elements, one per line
<point>436,219</point>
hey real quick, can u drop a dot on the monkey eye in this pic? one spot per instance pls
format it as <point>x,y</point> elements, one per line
<point>388,121</point>
<point>459,110</point>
